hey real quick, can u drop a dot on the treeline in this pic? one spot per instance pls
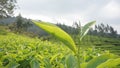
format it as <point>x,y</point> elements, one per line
<point>68,29</point>
<point>99,30</point>
<point>104,31</point>
<point>21,25</point>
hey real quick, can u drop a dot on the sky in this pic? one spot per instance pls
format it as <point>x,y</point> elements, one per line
<point>69,11</point>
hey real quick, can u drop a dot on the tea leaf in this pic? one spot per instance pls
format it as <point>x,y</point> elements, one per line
<point>34,63</point>
<point>58,33</point>
<point>53,57</point>
<point>110,63</point>
<point>98,60</point>
<point>12,64</point>
<point>47,63</point>
<point>71,62</point>
<point>86,28</point>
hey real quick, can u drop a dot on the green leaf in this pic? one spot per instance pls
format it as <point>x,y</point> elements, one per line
<point>54,57</point>
<point>34,63</point>
<point>71,62</point>
<point>47,63</point>
<point>83,65</point>
<point>58,33</point>
<point>98,60</point>
<point>110,63</point>
<point>12,64</point>
<point>86,28</point>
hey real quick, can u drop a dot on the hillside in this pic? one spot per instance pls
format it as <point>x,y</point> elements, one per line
<point>104,43</point>
<point>21,51</point>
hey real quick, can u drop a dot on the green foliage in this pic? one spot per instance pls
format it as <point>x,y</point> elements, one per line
<point>71,61</point>
<point>18,51</point>
<point>47,63</point>
<point>34,63</point>
<point>29,52</point>
<point>110,63</point>
<point>58,33</point>
<point>2,32</point>
<point>53,57</point>
<point>12,64</point>
<point>86,28</point>
<point>98,60</point>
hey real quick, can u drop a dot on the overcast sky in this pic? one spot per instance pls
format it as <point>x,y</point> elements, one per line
<point>68,11</point>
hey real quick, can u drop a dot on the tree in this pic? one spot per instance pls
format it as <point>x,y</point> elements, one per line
<point>19,22</point>
<point>77,26</point>
<point>113,33</point>
<point>7,8</point>
<point>104,30</point>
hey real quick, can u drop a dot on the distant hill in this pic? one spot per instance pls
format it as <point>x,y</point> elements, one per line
<point>99,30</point>
<point>8,20</point>
<point>33,28</point>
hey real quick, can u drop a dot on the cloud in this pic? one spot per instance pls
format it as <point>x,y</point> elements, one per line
<point>68,11</point>
<point>116,27</point>
<point>111,10</point>
<point>58,6</point>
